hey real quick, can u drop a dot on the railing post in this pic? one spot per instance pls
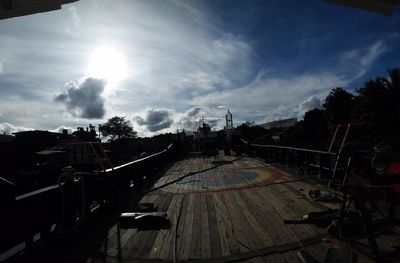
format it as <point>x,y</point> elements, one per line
<point>308,161</point>
<point>265,151</point>
<point>321,165</point>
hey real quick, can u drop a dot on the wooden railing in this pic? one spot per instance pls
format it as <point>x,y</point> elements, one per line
<point>53,209</point>
<point>307,161</point>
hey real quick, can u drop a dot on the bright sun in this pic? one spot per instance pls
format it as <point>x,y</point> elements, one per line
<point>108,64</point>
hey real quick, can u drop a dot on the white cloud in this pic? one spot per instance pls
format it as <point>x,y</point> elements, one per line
<point>75,21</point>
<point>8,128</point>
<point>372,53</point>
<point>1,68</point>
<point>279,113</point>
<point>203,81</point>
<point>268,98</point>
<point>62,128</point>
<point>309,104</point>
<point>181,62</point>
<point>360,60</point>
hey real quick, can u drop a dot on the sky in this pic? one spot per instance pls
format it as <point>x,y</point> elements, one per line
<point>165,64</point>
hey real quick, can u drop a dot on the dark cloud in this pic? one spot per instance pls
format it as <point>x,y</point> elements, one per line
<point>84,100</point>
<point>191,119</point>
<point>193,112</point>
<point>212,122</point>
<point>168,120</point>
<point>155,120</point>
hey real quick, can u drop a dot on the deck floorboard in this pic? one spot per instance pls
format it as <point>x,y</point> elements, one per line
<point>231,212</point>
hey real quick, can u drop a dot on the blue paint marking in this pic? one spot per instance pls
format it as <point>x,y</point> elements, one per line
<point>220,178</point>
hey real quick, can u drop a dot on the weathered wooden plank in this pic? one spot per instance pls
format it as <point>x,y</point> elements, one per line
<point>253,221</point>
<point>295,189</point>
<point>291,256</point>
<point>219,182</point>
<point>267,216</point>
<point>132,246</point>
<point>286,212</point>
<point>258,259</point>
<point>162,180</point>
<point>195,245</point>
<point>291,208</point>
<point>178,240</point>
<point>169,239</point>
<point>213,228</point>
<point>253,238</point>
<point>205,229</point>
<point>119,241</point>
<point>146,239</point>
<point>279,258</point>
<point>165,200</point>
<point>228,245</point>
<point>186,236</point>
<point>237,228</point>
<point>178,186</point>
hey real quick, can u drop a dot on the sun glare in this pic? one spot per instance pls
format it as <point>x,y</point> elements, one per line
<point>108,64</point>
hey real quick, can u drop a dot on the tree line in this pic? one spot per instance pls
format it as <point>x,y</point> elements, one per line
<point>376,104</point>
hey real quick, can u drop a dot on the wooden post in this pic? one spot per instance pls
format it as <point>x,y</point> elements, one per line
<point>308,161</point>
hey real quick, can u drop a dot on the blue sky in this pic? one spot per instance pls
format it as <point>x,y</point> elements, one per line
<point>165,64</point>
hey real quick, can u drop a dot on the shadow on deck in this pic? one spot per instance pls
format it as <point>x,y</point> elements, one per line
<point>230,211</point>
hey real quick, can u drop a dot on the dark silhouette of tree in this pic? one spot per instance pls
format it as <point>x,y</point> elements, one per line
<point>312,132</point>
<point>250,131</point>
<point>378,103</point>
<point>393,86</point>
<point>372,101</point>
<point>338,105</point>
<point>118,128</point>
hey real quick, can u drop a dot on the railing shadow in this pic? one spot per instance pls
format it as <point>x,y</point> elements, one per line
<point>102,194</point>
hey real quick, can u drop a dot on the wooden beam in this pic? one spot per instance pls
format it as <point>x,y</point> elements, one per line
<point>385,7</point>
<point>16,8</point>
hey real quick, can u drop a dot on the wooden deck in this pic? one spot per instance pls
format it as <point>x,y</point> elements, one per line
<point>233,212</point>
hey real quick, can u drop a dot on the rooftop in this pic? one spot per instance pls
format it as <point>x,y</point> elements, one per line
<point>232,212</point>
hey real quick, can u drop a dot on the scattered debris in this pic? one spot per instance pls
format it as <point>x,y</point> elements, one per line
<point>323,196</point>
<point>322,219</point>
<point>144,217</point>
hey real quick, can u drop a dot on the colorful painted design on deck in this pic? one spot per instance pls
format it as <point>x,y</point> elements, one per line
<point>224,179</point>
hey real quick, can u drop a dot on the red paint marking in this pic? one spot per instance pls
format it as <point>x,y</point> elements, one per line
<point>394,169</point>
